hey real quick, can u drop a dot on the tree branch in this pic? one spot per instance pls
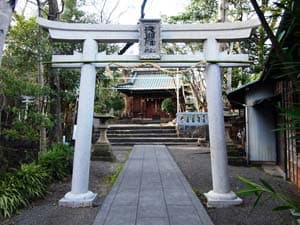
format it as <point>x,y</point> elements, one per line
<point>276,46</point>
<point>143,9</point>
<point>129,44</point>
<point>102,11</point>
<point>112,11</point>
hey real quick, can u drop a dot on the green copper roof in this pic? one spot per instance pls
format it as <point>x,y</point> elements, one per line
<point>149,82</point>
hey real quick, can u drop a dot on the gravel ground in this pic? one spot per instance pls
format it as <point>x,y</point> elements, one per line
<point>195,165</point>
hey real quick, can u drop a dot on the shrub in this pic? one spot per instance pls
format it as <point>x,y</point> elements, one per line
<point>31,180</point>
<point>57,161</point>
<point>16,189</point>
<point>168,106</point>
<point>10,197</point>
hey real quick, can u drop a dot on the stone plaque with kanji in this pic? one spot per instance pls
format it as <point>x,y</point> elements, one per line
<point>150,41</point>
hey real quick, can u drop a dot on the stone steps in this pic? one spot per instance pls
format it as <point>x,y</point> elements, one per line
<point>139,131</point>
<point>140,127</point>
<point>116,135</point>
<point>131,134</point>
<point>152,139</point>
<point>236,156</point>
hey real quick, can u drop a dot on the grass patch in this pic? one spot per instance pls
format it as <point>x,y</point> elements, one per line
<point>200,195</point>
<point>111,179</point>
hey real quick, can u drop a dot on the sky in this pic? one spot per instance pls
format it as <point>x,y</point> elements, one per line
<point>126,12</point>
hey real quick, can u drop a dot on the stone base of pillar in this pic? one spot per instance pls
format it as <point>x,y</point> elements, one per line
<point>102,152</point>
<point>78,200</point>
<point>220,200</point>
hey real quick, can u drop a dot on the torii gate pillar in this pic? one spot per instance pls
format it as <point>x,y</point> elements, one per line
<point>221,195</point>
<point>80,196</point>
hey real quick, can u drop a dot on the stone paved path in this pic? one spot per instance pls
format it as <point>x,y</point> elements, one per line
<point>151,190</point>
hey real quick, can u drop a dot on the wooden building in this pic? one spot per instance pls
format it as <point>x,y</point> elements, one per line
<point>144,93</point>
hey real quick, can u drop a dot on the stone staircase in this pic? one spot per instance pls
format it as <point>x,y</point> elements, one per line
<point>236,155</point>
<point>132,134</point>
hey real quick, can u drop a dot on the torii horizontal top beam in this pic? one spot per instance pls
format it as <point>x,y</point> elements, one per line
<point>169,33</point>
<point>101,60</point>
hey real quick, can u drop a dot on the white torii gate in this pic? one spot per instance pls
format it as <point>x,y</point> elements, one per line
<point>90,58</point>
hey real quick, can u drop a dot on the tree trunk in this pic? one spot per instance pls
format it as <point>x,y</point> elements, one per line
<point>53,10</point>
<point>223,4</point>
<point>55,134</point>
<point>6,11</point>
<point>55,107</point>
<point>41,106</point>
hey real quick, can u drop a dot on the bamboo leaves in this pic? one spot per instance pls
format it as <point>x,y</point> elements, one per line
<point>266,188</point>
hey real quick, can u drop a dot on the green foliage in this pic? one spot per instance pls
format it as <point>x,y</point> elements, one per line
<point>57,161</point>
<point>10,197</point>
<point>26,45</point>
<point>168,106</point>
<point>258,47</point>
<point>32,180</point>
<point>197,10</point>
<point>238,9</point>
<point>258,190</point>
<point>29,128</point>
<point>292,121</point>
<point>72,13</point>
<point>17,188</point>
<point>107,97</point>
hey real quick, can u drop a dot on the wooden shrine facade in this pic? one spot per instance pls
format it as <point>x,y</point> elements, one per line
<point>144,93</point>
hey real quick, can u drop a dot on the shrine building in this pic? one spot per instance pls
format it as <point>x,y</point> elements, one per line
<point>145,91</point>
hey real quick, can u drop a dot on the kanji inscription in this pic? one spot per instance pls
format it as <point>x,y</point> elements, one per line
<point>150,40</point>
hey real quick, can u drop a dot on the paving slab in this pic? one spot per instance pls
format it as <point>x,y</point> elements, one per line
<point>151,190</point>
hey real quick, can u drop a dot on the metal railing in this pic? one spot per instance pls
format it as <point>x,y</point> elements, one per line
<point>185,119</point>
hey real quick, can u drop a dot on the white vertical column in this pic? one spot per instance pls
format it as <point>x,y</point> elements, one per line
<point>80,196</point>
<point>5,18</point>
<point>177,91</point>
<point>220,196</point>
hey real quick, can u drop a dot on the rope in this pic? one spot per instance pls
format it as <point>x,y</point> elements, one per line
<point>154,65</point>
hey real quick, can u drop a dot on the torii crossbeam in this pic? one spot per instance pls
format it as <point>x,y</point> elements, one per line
<point>211,34</point>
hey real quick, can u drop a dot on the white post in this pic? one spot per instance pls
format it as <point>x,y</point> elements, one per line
<point>80,196</point>
<point>220,196</point>
<point>177,91</point>
<point>6,12</point>
<point>26,109</point>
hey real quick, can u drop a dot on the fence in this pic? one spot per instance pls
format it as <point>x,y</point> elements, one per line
<point>187,119</point>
